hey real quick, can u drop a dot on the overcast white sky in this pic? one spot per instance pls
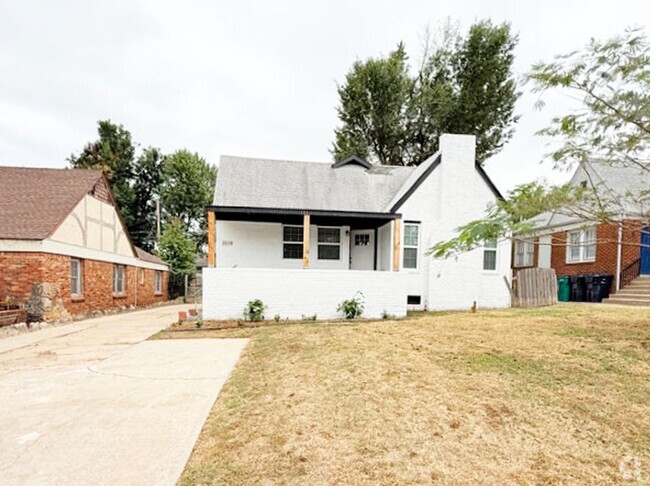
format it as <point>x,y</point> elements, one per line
<point>246,78</point>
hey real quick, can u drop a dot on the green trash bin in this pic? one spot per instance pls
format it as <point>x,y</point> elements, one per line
<point>563,288</point>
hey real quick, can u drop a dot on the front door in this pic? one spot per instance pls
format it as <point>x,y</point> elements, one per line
<point>362,250</point>
<point>645,251</point>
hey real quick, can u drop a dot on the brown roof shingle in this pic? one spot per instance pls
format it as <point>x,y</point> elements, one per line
<point>148,257</point>
<point>34,202</point>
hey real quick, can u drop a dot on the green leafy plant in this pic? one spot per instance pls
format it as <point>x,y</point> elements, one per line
<point>277,318</point>
<point>387,316</point>
<point>352,308</point>
<point>198,323</point>
<point>254,310</point>
<point>309,318</point>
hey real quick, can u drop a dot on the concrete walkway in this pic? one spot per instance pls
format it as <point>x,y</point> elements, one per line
<point>93,403</point>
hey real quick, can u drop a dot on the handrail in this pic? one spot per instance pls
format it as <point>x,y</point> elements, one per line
<point>630,272</point>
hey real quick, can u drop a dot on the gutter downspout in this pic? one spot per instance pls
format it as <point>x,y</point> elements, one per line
<point>619,254</point>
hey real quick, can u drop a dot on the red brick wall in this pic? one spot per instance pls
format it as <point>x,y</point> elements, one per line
<point>606,250</point>
<point>18,271</point>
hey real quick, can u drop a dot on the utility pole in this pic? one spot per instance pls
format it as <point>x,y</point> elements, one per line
<point>157,220</point>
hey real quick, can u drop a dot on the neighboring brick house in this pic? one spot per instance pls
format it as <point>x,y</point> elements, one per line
<point>61,227</point>
<point>573,246</point>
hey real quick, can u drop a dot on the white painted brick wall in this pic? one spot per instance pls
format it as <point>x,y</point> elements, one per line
<point>293,293</point>
<point>453,195</point>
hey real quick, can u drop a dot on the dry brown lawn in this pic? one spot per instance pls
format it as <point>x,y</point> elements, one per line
<point>544,396</point>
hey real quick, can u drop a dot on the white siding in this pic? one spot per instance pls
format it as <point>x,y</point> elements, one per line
<point>544,252</point>
<point>295,293</point>
<point>259,245</point>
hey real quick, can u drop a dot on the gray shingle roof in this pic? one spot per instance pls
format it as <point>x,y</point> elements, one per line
<point>282,184</point>
<point>623,188</point>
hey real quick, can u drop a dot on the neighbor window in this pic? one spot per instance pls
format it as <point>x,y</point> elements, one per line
<point>292,242</point>
<point>524,253</point>
<point>142,272</point>
<point>581,245</point>
<point>411,242</point>
<point>76,277</point>
<point>157,282</point>
<point>118,279</point>
<point>490,255</point>
<point>329,243</point>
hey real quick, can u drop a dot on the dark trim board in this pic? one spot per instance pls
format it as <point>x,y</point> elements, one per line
<point>354,219</point>
<point>489,182</point>
<point>374,262</point>
<point>416,184</point>
<point>300,212</point>
<point>352,159</point>
<point>428,172</point>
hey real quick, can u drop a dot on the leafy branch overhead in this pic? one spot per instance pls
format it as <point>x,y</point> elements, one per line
<point>612,128</point>
<point>463,85</point>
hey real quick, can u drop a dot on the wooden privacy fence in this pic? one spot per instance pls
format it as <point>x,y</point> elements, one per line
<point>534,287</point>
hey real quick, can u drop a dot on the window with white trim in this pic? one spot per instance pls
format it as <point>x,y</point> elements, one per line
<point>524,253</point>
<point>581,245</point>
<point>411,245</point>
<point>292,242</point>
<point>118,279</point>
<point>329,243</point>
<point>490,255</point>
<point>76,277</point>
<point>157,282</point>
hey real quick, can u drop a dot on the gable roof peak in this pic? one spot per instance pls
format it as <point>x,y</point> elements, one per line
<point>352,160</point>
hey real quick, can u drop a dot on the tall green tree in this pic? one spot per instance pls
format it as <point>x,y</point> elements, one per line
<point>187,187</point>
<point>147,171</point>
<point>176,248</point>
<point>464,85</point>
<point>113,153</point>
<point>374,101</point>
<point>611,78</point>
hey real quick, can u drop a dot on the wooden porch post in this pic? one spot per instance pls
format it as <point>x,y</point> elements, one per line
<point>396,237</point>
<point>211,235</point>
<point>305,240</point>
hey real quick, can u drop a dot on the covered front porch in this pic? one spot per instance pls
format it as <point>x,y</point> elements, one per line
<point>303,239</point>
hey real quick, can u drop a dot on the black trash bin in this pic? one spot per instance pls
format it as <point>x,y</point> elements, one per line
<point>578,289</point>
<point>604,284</point>
<point>592,288</point>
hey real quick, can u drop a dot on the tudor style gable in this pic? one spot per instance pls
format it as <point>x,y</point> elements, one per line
<point>94,223</point>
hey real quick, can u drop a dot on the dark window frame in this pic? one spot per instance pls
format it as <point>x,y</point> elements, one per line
<point>326,242</point>
<point>291,246</point>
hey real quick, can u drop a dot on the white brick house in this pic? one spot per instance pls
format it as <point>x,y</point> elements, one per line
<point>302,237</point>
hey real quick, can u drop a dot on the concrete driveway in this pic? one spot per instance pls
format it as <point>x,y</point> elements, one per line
<point>92,402</point>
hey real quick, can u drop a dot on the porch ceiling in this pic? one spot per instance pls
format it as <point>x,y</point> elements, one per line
<point>356,220</point>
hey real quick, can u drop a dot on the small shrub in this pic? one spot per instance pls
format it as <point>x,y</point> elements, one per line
<point>254,310</point>
<point>277,318</point>
<point>352,308</point>
<point>387,316</point>
<point>311,318</point>
<point>198,323</point>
